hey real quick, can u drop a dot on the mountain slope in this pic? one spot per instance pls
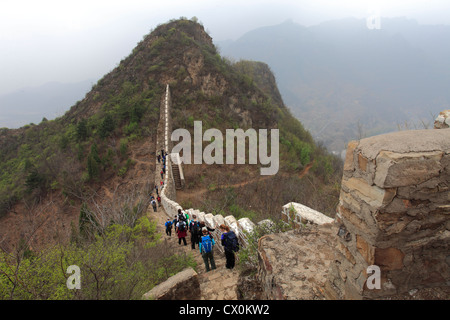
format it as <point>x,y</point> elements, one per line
<point>100,154</point>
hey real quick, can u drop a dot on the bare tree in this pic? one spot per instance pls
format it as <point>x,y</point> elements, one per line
<point>123,208</point>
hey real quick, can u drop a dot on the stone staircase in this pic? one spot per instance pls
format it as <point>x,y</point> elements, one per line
<point>179,183</point>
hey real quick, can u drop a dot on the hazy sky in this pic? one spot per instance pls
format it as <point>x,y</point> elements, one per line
<point>75,40</point>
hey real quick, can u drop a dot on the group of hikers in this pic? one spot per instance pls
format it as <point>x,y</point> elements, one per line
<point>201,235</point>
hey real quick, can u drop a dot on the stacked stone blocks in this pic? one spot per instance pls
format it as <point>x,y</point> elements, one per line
<point>393,213</point>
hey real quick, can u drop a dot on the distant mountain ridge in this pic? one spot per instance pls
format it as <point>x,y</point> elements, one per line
<point>343,80</point>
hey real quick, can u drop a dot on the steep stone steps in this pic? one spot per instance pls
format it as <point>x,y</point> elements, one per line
<point>176,177</point>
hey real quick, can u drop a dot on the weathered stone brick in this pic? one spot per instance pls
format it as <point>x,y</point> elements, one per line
<point>362,162</point>
<point>405,169</point>
<point>370,194</point>
<point>345,252</point>
<point>348,164</point>
<point>358,224</point>
<point>366,250</point>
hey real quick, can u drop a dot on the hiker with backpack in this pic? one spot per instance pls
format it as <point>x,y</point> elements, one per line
<point>181,229</point>
<point>168,225</point>
<point>153,202</point>
<point>195,231</point>
<point>204,227</point>
<point>206,250</point>
<point>181,216</point>
<point>231,245</point>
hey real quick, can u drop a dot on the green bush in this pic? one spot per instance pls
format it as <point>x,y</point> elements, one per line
<point>123,148</point>
<point>125,168</point>
<point>82,130</point>
<point>131,128</point>
<point>107,126</point>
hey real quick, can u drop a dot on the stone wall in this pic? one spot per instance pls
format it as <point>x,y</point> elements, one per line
<point>393,213</point>
<point>168,194</point>
<point>164,143</point>
<point>299,215</point>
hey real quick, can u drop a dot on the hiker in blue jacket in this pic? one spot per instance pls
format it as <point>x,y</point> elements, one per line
<point>206,246</point>
<point>168,225</point>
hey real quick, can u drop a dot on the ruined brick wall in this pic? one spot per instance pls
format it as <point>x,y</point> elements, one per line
<point>393,213</point>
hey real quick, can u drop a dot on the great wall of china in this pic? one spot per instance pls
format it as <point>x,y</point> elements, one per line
<point>393,214</point>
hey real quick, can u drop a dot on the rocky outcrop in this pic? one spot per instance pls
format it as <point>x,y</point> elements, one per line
<point>299,215</point>
<point>294,265</point>
<point>443,120</point>
<point>393,213</point>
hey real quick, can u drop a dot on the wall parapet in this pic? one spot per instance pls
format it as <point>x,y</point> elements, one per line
<point>300,214</point>
<point>240,227</point>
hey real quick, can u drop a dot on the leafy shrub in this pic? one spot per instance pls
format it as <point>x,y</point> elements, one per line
<point>125,168</point>
<point>131,128</point>
<point>82,131</point>
<point>123,147</point>
<point>107,126</point>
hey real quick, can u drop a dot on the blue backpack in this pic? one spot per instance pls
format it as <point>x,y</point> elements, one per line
<point>232,242</point>
<point>206,244</point>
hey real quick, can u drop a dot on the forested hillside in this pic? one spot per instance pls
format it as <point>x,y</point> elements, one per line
<point>75,190</point>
